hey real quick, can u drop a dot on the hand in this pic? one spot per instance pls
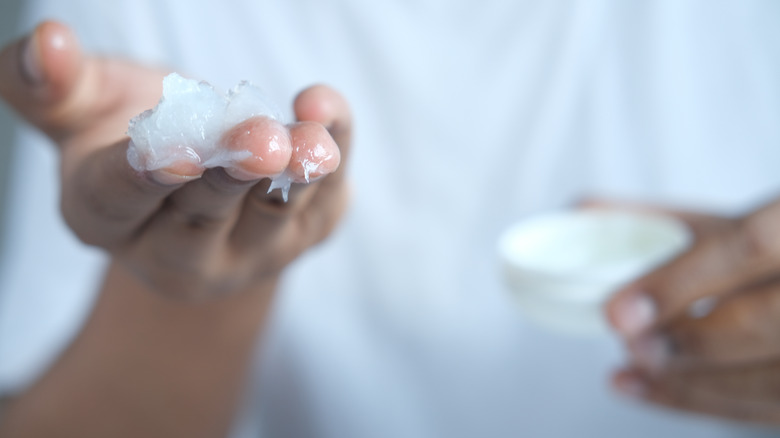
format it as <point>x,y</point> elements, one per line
<point>189,235</point>
<point>703,331</point>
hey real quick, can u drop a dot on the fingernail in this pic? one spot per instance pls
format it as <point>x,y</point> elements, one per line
<point>184,168</point>
<point>651,352</point>
<point>179,172</point>
<point>634,314</point>
<point>630,385</point>
<point>169,178</point>
<point>30,62</point>
<point>241,175</point>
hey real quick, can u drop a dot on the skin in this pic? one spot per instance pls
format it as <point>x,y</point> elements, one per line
<point>703,331</point>
<point>270,144</point>
<point>195,255</point>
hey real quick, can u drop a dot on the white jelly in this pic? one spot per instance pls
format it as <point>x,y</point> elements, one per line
<point>189,123</point>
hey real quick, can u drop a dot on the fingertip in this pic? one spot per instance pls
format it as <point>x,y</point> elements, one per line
<point>40,68</point>
<point>651,352</point>
<point>267,141</point>
<point>53,57</point>
<point>631,312</point>
<point>315,153</point>
<point>29,58</point>
<point>179,172</point>
<point>323,104</point>
<point>611,306</point>
<point>629,383</point>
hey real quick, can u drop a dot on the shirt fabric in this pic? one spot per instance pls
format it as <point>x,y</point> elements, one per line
<point>468,116</point>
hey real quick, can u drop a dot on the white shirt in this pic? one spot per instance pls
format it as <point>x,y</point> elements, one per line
<point>468,115</point>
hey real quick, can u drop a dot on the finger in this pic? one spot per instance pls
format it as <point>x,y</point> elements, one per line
<point>741,329</point>
<point>261,217</point>
<point>315,153</point>
<point>327,107</point>
<point>47,79</point>
<point>43,65</point>
<point>41,76</point>
<point>735,258</point>
<point>700,224</point>
<point>268,142</point>
<point>104,199</point>
<point>324,211</point>
<point>744,394</point>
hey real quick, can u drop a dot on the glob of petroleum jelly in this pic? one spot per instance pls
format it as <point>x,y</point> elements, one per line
<point>196,127</point>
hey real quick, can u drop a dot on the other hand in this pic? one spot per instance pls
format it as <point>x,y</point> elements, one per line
<point>703,331</point>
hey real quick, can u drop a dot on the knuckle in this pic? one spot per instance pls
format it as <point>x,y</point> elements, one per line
<point>758,319</point>
<point>748,317</point>
<point>704,340</point>
<point>271,204</point>
<point>201,222</point>
<point>194,222</point>
<point>220,182</point>
<point>758,240</point>
<point>672,289</point>
<point>87,199</point>
<point>688,342</point>
<point>268,205</point>
<point>320,223</point>
<point>85,229</point>
<point>740,330</point>
<point>190,279</point>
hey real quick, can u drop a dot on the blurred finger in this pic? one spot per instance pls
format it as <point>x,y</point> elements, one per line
<point>327,107</point>
<point>733,259</point>
<point>741,329</point>
<point>744,394</point>
<point>104,199</point>
<point>324,105</point>
<point>42,76</point>
<point>700,224</point>
<point>48,80</point>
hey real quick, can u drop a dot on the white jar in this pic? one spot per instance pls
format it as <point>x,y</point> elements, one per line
<point>562,266</point>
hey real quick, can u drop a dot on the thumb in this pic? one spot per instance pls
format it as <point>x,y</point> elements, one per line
<point>40,74</point>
